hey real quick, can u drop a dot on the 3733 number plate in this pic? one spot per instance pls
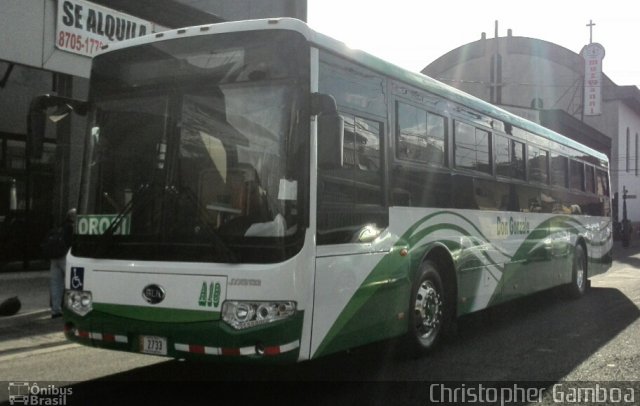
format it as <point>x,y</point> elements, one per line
<point>153,345</point>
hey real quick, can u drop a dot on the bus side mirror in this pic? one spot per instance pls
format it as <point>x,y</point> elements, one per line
<point>330,131</point>
<point>37,116</point>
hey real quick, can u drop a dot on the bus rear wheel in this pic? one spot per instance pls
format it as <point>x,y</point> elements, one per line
<point>428,313</point>
<point>578,286</point>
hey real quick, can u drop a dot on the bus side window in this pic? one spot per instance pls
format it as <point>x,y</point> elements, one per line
<point>351,197</point>
<point>420,135</point>
<point>509,157</point>
<point>367,145</point>
<point>538,164</point>
<point>559,170</point>
<point>352,86</point>
<point>602,183</point>
<point>590,179</point>
<point>362,158</point>
<point>471,147</point>
<point>577,175</point>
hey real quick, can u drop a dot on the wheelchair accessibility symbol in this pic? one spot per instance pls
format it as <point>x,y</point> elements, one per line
<point>77,278</point>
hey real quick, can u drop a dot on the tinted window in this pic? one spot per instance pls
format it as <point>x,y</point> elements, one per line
<point>352,86</point>
<point>420,135</point>
<point>509,157</point>
<point>602,183</point>
<point>559,170</point>
<point>350,198</point>
<point>590,179</point>
<point>471,148</point>
<point>538,164</point>
<point>577,175</point>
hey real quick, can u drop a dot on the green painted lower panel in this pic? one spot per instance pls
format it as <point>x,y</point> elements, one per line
<point>486,273</point>
<point>156,314</point>
<point>377,310</point>
<point>376,319</point>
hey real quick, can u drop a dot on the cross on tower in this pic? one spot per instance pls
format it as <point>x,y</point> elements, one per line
<point>590,25</point>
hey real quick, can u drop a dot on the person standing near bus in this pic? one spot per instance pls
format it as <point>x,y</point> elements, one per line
<point>55,247</point>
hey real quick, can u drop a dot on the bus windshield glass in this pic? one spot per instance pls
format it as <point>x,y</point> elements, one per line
<point>196,150</point>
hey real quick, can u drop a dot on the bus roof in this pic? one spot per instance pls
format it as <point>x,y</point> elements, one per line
<point>386,68</point>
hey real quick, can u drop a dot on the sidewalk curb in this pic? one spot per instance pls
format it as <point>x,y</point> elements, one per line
<point>16,275</point>
<point>27,344</point>
<point>29,331</point>
<point>16,319</point>
<point>24,352</point>
<point>19,315</point>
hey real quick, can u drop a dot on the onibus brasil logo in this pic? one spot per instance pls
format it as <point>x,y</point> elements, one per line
<point>25,393</point>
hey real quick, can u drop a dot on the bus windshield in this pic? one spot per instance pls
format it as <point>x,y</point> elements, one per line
<point>196,151</point>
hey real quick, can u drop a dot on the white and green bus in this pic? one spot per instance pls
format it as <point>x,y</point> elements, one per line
<point>258,191</point>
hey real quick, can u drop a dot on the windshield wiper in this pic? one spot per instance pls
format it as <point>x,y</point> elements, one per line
<point>219,243</point>
<point>107,236</point>
<point>144,196</point>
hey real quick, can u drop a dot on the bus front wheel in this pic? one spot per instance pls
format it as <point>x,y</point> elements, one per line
<point>579,282</point>
<point>428,313</point>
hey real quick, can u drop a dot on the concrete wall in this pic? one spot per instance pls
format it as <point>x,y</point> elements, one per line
<point>529,71</point>
<point>628,123</point>
<point>27,31</point>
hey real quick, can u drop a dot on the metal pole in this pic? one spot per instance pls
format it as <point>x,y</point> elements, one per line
<point>626,229</point>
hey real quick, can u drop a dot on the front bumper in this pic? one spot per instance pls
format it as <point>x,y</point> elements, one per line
<point>277,342</point>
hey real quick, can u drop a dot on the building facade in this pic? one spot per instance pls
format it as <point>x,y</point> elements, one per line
<point>545,82</point>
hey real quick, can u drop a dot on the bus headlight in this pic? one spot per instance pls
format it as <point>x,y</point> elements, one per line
<point>78,301</point>
<point>241,314</point>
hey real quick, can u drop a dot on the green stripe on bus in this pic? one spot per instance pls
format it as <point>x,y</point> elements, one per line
<point>344,332</point>
<point>383,292</point>
<point>157,314</point>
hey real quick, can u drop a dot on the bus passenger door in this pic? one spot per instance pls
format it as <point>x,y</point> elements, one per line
<point>350,306</point>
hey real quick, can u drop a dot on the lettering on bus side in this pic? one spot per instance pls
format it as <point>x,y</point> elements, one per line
<point>512,226</point>
<point>245,282</point>
<point>210,295</point>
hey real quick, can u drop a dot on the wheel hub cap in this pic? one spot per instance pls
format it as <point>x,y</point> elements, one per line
<point>428,309</point>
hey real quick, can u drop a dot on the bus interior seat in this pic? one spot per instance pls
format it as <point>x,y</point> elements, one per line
<point>248,197</point>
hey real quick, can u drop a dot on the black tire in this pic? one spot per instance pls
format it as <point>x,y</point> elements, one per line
<point>428,312</point>
<point>579,283</point>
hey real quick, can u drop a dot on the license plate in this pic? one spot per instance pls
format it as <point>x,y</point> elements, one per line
<point>153,345</point>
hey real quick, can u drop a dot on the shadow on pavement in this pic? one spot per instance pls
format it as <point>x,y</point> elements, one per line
<point>533,341</point>
<point>537,340</point>
<point>627,255</point>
